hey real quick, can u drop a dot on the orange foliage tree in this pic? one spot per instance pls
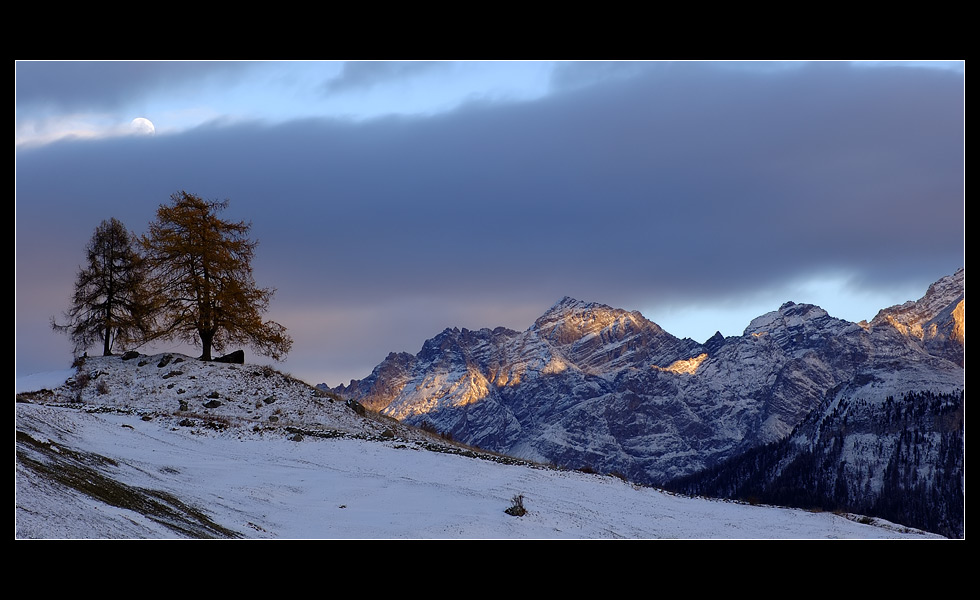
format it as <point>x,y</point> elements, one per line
<point>202,277</point>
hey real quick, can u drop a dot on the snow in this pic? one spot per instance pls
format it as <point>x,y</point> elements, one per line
<point>38,381</point>
<point>261,483</point>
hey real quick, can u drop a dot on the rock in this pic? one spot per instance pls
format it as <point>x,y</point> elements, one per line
<point>237,357</point>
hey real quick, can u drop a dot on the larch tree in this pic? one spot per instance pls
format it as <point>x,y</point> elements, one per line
<point>111,303</point>
<point>202,274</point>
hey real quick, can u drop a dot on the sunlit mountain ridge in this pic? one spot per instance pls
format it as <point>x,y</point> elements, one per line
<point>590,386</point>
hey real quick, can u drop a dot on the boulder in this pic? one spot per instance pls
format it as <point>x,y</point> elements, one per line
<point>237,357</point>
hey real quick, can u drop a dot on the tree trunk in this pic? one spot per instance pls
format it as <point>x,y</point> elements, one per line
<point>206,338</point>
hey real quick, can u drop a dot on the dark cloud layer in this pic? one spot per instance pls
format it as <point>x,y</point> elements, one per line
<point>83,85</point>
<point>683,183</point>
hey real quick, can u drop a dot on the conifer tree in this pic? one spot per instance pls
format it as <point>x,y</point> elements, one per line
<point>111,302</point>
<point>202,273</point>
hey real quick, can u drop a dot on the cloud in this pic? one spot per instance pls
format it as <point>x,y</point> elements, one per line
<point>85,99</point>
<point>83,86</point>
<point>674,186</point>
<point>576,74</point>
<point>363,75</point>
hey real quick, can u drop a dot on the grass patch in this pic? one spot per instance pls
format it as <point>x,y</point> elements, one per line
<point>81,472</point>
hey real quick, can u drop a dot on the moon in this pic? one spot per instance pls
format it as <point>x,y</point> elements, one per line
<point>143,126</point>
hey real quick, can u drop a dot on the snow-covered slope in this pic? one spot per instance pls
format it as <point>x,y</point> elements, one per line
<point>129,460</point>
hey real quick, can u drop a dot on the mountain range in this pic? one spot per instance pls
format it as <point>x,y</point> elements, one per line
<point>592,387</point>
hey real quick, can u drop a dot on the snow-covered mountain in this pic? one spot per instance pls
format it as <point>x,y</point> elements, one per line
<point>167,446</point>
<point>591,387</point>
<point>887,441</point>
<point>936,321</point>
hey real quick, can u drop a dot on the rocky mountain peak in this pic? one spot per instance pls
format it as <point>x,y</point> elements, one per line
<point>937,321</point>
<point>939,298</point>
<point>570,320</point>
<point>567,303</point>
<point>714,343</point>
<point>789,316</point>
<point>600,339</point>
<point>569,307</point>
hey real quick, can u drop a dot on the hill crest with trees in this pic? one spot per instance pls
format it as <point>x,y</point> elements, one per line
<point>188,279</point>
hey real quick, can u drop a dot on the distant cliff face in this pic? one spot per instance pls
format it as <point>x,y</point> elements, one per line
<point>590,386</point>
<point>937,320</point>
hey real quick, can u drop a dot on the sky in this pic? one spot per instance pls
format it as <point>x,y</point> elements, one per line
<point>394,199</point>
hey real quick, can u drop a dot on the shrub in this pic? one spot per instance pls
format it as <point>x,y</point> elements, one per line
<point>517,507</point>
<point>82,380</point>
